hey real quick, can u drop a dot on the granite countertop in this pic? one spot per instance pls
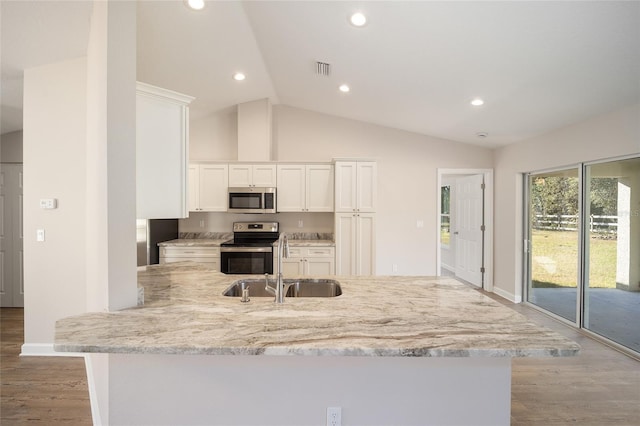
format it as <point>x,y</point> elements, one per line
<point>215,242</point>
<point>310,243</point>
<point>193,242</point>
<point>185,313</point>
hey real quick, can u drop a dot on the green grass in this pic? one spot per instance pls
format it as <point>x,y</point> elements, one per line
<point>555,260</point>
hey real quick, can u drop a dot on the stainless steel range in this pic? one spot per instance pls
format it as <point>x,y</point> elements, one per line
<point>251,249</point>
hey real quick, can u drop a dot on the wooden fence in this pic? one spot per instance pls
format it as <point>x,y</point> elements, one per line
<point>566,222</point>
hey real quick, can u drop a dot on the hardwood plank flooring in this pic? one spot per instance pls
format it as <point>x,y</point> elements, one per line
<point>599,387</point>
<point>38,390</point>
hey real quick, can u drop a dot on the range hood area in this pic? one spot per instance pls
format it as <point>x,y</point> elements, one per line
<point>254,131</point>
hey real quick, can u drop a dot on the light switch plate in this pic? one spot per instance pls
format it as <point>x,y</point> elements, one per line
<point>39,235</point>
<point>48,203</point>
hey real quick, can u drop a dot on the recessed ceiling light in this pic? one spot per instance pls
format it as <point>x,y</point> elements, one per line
<point>239,76</point>
<point>358,19</point>
<point>482,135</point>
<point>477,102</point>
<point>344,88</point>
<point>195,4</point>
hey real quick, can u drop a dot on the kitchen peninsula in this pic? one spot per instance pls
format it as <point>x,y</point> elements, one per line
<point>388,350</point>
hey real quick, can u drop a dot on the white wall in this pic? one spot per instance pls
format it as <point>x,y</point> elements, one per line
<point>79,147</point>
<point>407,177</point>
<point>111,157</point>
<point>54,167</point>
<point>606,136</point>
<point>11,147</point>
<point>214,137</point>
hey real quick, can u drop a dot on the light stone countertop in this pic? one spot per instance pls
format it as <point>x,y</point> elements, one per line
<point>310,243</point>
<point>185,313</point>
<point>204,242</point>
<point>192,242</point>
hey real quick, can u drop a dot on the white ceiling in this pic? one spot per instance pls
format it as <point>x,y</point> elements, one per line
<point>414,66</point>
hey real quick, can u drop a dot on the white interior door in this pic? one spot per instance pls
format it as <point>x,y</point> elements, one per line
<point>468,228</point>
<point>11,246</point>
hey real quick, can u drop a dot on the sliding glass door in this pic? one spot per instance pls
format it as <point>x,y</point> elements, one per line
<point>554,200</point>
<point>612,284</point>
<point>583,244</point>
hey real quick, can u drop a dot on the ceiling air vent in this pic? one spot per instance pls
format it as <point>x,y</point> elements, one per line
<point>323,68</point>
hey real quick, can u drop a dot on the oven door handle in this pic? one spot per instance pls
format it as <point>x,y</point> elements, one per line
<point>246,249</point>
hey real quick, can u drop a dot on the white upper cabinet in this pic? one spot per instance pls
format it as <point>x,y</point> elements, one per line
<point>162,142</point>
<point>247,175</point>
<point>208,187</point>
<point>356,186</point>
<point>291,188</point>
<point>305,188</point>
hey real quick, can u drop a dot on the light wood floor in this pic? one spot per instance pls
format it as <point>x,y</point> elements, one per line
<point>599,387</point>
<point>38,390</point>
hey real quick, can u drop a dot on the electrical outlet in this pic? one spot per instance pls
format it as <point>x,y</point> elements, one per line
<point>201,223</point>
<point>394,267</point>
<point>300,223</point>
<point>334,416</point>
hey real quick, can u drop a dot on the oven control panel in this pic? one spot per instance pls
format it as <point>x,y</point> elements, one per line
<point>255,226</point>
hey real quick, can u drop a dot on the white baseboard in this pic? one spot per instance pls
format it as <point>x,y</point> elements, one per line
<point>505,294</point>
<point>44,349</point>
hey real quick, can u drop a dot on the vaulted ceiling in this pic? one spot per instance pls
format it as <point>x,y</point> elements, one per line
<point>414,66</point>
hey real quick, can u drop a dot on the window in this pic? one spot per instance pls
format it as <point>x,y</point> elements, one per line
<point>445,215</point>
<point>583,245</point>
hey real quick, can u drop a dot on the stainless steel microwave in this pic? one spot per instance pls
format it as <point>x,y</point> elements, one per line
<point>252,200</point>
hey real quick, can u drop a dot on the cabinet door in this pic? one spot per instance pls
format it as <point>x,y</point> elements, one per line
<point>291,188</point>
<point>292,266</point>
<point>345,244</point>
<point>264,175</point>
<point>367,186</point>
<point>214,187</point>
<point>319,188</point>
<point>319,266</point>
<point>366,244</point>
<point>240,175</point>
<point>345,186</point>
<point>161,157</point>
<point>192,194</point>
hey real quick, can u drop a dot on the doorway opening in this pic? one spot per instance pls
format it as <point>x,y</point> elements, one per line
<point>465,225</point>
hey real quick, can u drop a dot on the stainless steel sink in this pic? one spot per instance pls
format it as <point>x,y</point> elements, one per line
<point>303,287</point>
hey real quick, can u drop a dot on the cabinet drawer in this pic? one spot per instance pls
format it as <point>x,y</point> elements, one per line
<point>190,252</point>
<point>295,251</point>
<point>319,252</point>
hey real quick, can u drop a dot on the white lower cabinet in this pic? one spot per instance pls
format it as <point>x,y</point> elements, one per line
<point>355,244</point>
<point>308,261</point>
<point>207,255</point>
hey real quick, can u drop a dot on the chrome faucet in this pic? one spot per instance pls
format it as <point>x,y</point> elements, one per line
<point>281,287</point>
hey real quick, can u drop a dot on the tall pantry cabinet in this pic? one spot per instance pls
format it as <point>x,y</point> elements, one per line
<point>355,218</point>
